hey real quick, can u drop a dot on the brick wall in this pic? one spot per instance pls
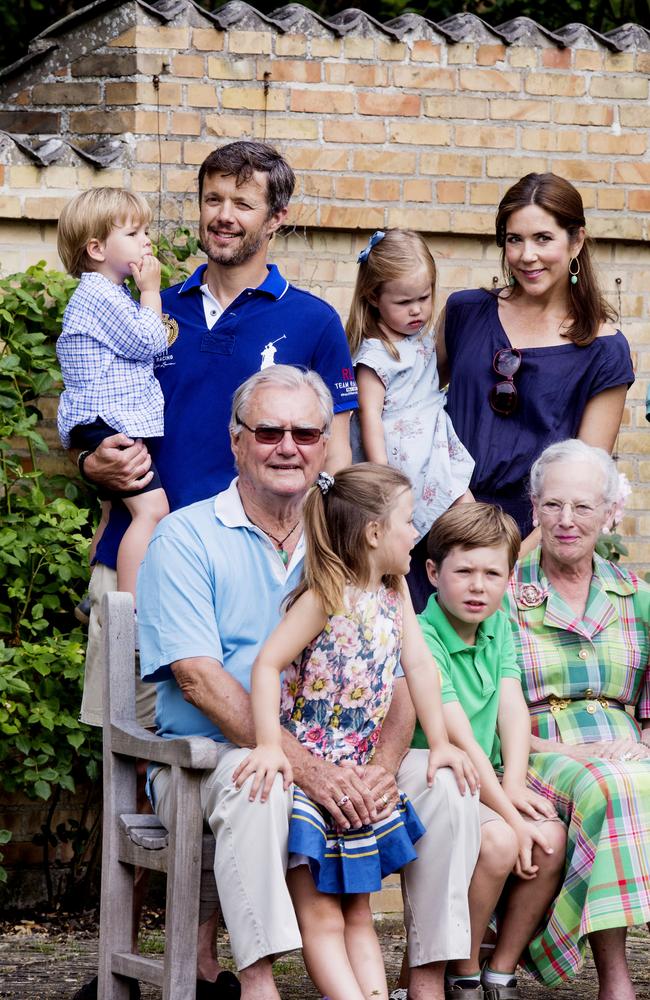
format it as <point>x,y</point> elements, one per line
<point>382,130</point>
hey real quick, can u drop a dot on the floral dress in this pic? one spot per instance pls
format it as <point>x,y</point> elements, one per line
<point>334,700</point>
<point>420,438</point>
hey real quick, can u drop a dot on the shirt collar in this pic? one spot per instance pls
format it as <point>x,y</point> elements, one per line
<point>274,285</point>
<point>612,578</point>
<point>449,637</point>
<point>532,589</point>
<point>229,510</point>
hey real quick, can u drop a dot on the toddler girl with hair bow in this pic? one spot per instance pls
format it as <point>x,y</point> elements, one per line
<point>401,418</point>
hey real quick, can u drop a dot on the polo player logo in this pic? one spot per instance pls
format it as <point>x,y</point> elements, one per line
<point>268,354</point>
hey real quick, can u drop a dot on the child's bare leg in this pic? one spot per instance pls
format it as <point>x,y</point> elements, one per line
<point>101,527</point>
<point>322,926</point>
<point>362,945</point>
<point>146,511</point>
<point>496,860</point>
<point>527,901</point>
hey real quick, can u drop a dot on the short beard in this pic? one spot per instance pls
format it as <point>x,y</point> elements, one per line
<point>243,253</point>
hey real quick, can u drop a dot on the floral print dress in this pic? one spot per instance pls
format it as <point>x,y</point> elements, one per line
<point>419,435</point>
<point>334,700</point>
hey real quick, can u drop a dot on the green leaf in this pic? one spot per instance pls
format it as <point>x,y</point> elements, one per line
<point>42,789</point>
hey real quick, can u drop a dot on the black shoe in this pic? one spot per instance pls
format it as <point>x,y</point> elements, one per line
<point>82,611</point>
<point>225,987</point>
<point>89,990</point>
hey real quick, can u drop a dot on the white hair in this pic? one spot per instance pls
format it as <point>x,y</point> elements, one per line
<point>281,377</point>
<point>574,450</point>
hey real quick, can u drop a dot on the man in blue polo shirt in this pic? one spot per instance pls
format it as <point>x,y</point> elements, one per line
<point>235,315</point>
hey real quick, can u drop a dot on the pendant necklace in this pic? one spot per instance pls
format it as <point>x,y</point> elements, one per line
<point>279,542</point>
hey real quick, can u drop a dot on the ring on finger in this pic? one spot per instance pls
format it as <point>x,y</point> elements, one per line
<point>384,799</point>
<point>343,801</point>
<point>627,756</point>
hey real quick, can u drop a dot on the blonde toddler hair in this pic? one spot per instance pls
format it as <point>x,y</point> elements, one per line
<point>398,255</point>
<point>91,216</point>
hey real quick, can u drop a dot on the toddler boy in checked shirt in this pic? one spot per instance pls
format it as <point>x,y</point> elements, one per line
<point>107,346</point>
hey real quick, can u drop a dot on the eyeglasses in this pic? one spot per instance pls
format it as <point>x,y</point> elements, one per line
<point>273,435</point>
<point>503,395</point>
<point>581,511</point>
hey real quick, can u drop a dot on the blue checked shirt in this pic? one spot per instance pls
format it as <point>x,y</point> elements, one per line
<point>106,351</point>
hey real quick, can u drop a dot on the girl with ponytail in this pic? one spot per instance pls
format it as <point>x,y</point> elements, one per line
<point>348,627</point>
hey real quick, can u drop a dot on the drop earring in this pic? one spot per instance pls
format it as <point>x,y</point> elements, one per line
<point>574,273</point>
<point>512,281</point>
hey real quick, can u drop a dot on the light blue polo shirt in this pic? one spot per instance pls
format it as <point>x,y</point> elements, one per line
<point>211,584</point>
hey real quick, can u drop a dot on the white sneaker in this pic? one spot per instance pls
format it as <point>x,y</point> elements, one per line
<point>398,995</point>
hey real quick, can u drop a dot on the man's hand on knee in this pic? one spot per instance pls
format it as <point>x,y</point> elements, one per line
<point>340,789</point>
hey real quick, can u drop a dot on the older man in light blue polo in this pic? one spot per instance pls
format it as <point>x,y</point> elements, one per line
<point>210,592</point>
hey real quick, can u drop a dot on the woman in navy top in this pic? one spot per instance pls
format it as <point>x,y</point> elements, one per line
<point>539,360</point>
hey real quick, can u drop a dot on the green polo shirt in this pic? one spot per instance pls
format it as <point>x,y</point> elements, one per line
<point>471,675</point>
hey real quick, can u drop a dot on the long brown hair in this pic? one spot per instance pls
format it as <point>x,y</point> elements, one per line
<point>335,522</point>
<point>587,306</point>
<point>399,254</point>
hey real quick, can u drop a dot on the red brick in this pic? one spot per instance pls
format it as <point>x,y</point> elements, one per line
<point>450,192</point>
<point>556,58</point>
<point>387,104</point>
<point>639,201</point>
<point>353,131</point>
<point>353,188</point>
<point>379,161</point>
<point>290,70</point>
<point>336,102</point>
<point>424,77</point>
<point>488,55</point>
<point>383,190</point>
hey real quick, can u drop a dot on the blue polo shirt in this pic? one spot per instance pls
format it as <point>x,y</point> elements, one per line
<point>275,323</point>
<point>211,584</point>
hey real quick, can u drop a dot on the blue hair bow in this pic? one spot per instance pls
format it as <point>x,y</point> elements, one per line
<point>372,242</point>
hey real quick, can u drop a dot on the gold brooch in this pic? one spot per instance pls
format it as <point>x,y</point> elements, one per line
<point>171,326</point>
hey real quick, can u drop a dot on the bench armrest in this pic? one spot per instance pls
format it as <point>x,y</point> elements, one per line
<point>132,740</point>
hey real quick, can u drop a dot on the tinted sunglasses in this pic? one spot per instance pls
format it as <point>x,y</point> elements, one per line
<point>503,395</point>
<point>273,435</point>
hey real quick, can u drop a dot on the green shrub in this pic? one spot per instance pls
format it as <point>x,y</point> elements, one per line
<point>45,530</point>
<point>46,523</point>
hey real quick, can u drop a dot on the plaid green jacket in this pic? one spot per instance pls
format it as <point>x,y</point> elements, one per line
<point>595,664</point>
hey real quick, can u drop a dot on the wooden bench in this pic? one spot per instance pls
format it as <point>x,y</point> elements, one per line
<point>130,840</point>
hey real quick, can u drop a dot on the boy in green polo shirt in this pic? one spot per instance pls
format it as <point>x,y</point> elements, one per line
<point>472,550</point>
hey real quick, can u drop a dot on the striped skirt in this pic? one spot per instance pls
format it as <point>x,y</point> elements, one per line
<point>606,806</point>
<point>352,860</point>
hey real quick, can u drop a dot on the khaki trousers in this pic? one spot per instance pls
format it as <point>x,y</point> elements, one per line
<point>251,858</point>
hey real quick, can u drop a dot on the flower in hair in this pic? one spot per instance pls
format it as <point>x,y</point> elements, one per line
<point>372,242</point>
<point>324,482</point>
<point>624,491</point>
